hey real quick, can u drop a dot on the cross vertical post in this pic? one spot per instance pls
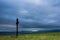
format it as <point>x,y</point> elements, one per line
<point>17,22</point>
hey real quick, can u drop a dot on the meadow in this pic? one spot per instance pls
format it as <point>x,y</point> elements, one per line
<point>38,36</point>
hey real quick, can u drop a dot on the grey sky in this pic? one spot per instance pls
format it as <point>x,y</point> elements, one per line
<point>31,13</point>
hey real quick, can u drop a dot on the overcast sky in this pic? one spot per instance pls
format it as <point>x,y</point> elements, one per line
<point>31,13</point>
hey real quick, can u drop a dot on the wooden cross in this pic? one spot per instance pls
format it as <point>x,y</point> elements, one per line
<point>17,22</point>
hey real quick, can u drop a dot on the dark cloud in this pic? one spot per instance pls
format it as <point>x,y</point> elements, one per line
<point>31,13</point>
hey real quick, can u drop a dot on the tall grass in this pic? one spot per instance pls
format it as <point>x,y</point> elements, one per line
<point>42,36</point>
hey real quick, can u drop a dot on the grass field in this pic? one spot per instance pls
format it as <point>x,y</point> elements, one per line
<point>42,36</point>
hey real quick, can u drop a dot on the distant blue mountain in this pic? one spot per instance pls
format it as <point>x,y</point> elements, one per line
<point>29,32</point>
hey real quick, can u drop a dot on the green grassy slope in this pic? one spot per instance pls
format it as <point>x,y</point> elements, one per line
<point>44,36</point>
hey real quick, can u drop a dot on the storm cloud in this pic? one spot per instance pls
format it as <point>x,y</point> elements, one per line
<point>31,13</point>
